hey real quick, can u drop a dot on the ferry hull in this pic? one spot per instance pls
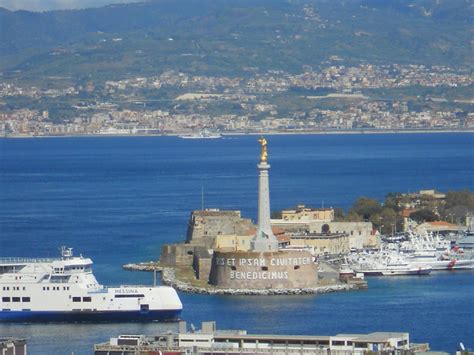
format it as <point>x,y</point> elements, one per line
<point>90,316</point>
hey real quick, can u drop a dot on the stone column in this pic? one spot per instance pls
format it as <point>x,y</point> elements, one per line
<point>264,239</point>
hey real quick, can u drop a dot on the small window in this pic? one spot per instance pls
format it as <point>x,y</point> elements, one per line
<point>15,299</point>
<point>5,299</point>
<point>296,267</point>
<point>25,299</point>
<point>265,268</point>
<point>76,299</point>
<point>86,299</point>
<point>233,268</point>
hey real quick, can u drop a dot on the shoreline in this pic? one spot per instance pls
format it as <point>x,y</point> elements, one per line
<point>168,277</point>
<point>269,133</point>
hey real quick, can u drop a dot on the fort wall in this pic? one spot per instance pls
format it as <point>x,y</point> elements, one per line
<point>263,270</point>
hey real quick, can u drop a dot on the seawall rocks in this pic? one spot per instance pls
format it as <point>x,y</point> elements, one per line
<point>168,276</point>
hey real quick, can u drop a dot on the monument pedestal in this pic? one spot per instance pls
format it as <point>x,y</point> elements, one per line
<point>284,269</point>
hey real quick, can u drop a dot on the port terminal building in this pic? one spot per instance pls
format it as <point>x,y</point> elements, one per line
<point>209,340</point>
<point>12,346</point>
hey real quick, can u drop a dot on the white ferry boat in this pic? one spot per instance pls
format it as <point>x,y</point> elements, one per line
<point>66,290</point>
<point>205,134</point>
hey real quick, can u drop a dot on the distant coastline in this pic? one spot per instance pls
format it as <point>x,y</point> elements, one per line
<point>228,134</point>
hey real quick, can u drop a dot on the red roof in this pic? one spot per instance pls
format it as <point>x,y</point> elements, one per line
<point>283,238</point>
<point>405,213</point>
<point>442,224</point>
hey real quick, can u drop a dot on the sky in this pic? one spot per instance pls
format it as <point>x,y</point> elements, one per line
<point>45,5</point>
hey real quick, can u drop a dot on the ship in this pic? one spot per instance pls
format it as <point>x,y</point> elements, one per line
<point>204,134</point>
<point>435,251</point>
<point>388,264</point>
<point>65,290</point>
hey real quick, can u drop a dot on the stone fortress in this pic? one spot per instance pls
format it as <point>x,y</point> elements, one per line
<point>229,251</point>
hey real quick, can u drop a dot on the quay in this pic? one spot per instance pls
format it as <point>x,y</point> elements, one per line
<point>209,340</point>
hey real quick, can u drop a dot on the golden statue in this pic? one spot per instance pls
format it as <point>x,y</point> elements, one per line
<point>264,152</point>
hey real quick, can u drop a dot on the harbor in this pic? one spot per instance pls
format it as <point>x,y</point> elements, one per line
<point>227,254</point>
<point>115,229</point>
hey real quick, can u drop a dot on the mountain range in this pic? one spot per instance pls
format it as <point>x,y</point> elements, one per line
<point>223,37</point>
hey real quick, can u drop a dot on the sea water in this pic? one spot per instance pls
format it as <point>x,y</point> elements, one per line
<point>119,199</point>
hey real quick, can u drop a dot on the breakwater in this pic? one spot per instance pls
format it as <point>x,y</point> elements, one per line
<point>168,276</point>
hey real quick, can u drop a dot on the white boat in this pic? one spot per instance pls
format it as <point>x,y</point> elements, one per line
<point>449,260</point>
<point>384,270</point>
<point>205,134</point>
<point>66,290</point>
<point>434,251</point>
<point>388,264</point>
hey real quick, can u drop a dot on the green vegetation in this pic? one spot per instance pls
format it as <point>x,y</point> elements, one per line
<point>387,218</point>
<point>423,215</point>
<point>220,37</point>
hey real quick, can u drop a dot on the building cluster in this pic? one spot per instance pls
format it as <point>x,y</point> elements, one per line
<point>456,218</point>
<point>210,340</point>
<point>364,116</point>
<point>336,77</point>
<point>383,115</point>
<point>211,231</point>
<point>239,104</point>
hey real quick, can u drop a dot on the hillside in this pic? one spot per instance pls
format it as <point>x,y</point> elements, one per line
<point>232,37</point>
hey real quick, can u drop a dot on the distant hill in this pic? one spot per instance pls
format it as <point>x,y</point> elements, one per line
<point>233,37</point>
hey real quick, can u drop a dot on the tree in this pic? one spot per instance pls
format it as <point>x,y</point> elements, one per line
<point>423,215</point>
<point>392,201</point>
<point>390,221</point>
<point>353,217</point>
<point>460,198</point>
<point>339,214</point>
<point>366,207</point>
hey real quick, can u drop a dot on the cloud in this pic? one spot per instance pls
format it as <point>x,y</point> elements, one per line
<point>47,5</point>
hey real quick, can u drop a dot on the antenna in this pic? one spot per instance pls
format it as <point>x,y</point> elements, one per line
<point>202,198</point>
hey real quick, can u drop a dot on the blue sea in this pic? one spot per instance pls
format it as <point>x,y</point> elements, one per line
<point>119,199</point>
